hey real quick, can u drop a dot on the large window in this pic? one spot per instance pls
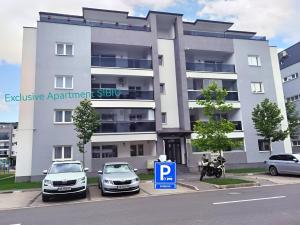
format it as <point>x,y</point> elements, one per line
<point>109,151</point>
<point>96,152</point>
<point>254,60</point>
<point>257,87</point>
<point>164,117</point>
<point>66,49</point>
<point>290,77</point>
<point>136,150</point>
<point>63,82</point>
<point>63,116</point>
<point>264,145</point>
<point>62,153</point>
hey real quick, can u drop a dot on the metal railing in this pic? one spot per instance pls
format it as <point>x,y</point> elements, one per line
<point>210,67</point>
<point>196,95</point>
<point>123,94</point>
<point>238,125</point>
<point>223,35</point>
<point>126,126</point>
<point>121,62</point>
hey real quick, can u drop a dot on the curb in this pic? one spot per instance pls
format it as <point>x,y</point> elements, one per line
<point>254,184</point>
<point>194,188</point>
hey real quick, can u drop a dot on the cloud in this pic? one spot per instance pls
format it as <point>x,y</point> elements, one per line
<point>271,18</point>
<point>4,107</point>
<point>15,14</point>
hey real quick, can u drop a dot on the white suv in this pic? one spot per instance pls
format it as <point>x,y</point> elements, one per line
<point>66,177</point>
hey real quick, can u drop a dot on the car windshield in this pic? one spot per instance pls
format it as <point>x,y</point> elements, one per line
<point>66,168</point>
<point>118,168</point>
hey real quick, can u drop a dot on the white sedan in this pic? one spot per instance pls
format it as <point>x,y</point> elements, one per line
<point>66,177</point>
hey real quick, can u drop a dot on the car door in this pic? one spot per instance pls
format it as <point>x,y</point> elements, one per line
<point>288,164</point>
<point>278,162</point>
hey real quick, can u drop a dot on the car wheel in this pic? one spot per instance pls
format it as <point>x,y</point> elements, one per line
<point>45,198</point>
<point>99,185</point>
<point>138,191</point>
<point>273,171</point>
<point>103,193</point>
<point>83,194</point>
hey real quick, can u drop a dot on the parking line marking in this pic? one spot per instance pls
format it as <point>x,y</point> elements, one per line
<point>249,200</point>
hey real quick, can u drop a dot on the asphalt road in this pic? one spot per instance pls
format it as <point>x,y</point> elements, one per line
<point>276,205</point>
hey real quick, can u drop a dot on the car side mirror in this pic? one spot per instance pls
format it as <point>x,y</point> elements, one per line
<point>135,170</point>
<point>100,172</point>
<point>86,169</point>
<point>45,171</point>
<point>295,160</point>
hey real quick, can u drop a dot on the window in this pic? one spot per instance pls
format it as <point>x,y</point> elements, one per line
<point>108,85</point>
<point>290,77</point>
<point>264,145</point>
<point>64,49</point>
<point>161,60</point>
<point>109,151</point>
<point>162,88</point>
<point>164,117</point>
<point>63,116</point>
<point>254,60</point>
<point>296,143</point>
<point>134,117</point>
<point>293,98</point>
<point>62,153</point>
<point>64,82</point>
<point>96,152</point>
<point>136,150</point>
<point>257,87</point>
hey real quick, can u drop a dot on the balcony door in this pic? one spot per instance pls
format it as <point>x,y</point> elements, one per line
<point>173,150</point>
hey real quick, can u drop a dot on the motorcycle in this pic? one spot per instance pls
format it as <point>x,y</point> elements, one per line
<point>213,168</point>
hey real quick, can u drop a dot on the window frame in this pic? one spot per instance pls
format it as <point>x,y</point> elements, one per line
<point>136,150</point>
<point>116,148</point>
<point>253,87</point>
<point>162,88</point>
<point>64,82</point>
<point>64,48</point>
<point>63,116</point>
<point>263,150</point>
<point>257,60</point>
<point>62,153</point>
<point>165,115</point>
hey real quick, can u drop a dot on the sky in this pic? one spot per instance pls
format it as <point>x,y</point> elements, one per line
<point>276,19</point>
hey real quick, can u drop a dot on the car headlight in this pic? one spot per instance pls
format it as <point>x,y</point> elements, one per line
<point>108,182</point>
<point>47,182</point>
<point>135,179</point>
<point>81,180</point>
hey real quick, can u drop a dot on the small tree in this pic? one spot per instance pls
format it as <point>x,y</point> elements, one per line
<point>293,119</point>
<point>267,120</point>
<point>86,121</point>
<point>212,134</point>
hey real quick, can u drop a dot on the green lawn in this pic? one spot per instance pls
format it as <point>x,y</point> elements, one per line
<point>2,175</point>
<point>9,184</point>
<point>226,181</point>
<point>246,170</point>
<point>146,176</point>
<point>92,180</point>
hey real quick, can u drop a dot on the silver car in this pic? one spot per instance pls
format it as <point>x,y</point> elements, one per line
<point>283,164</point>
<point>118,177</point>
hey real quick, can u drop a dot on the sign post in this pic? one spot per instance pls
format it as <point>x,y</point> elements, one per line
<point>165,175</point>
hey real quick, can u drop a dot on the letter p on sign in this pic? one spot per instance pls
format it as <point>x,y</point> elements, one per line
<point>164,170</point>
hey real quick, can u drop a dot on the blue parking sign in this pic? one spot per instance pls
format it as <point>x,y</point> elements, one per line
<point>165,175</point>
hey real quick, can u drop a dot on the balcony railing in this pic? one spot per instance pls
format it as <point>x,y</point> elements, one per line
<point>210,67</point>
<point>223,35</point>
<point>238,125</point>
<point>126,126</point>
<point>196,95</point>
<point>122,94</point>
<point>121,62</point>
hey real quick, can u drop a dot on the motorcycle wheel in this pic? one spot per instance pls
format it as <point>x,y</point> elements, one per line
<point>202,175</point>
<point>218,173</point>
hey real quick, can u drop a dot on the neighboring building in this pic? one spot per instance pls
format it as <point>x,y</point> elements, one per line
<point>290,72</point>
<point>158,64</point>
<point>8,141</point>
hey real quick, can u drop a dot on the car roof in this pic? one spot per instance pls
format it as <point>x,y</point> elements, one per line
<point>115,163</point>
<point>71,161</point>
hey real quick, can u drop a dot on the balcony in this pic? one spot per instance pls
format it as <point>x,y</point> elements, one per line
<point>196,95</point>
<point>99,61</point>
<point>223,35</point>
<point>126,126</point>
<point>121,94</point>
<point>210,67</point>
<point>238,125</point>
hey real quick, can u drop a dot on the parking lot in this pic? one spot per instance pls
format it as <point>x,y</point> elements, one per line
<point>19,199</point>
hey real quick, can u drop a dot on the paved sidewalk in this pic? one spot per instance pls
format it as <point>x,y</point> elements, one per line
<point>17,199</point>
<point>193,180</point>
<point>267,179</point>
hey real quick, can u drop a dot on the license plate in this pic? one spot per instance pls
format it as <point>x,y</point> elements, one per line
<point>64,189</point>
<point>122,186</point>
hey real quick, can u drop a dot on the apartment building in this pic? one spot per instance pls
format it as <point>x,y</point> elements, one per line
<point>8,142</point>
<point>290,70</point>
<point>158,64</point>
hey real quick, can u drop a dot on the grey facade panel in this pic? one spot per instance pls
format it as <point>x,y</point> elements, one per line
<point>293,56</point>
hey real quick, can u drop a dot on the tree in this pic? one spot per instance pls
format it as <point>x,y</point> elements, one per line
<point>293,119</point>
<point>212,134</point>
<point>267,120</point>
<point>86,121</point>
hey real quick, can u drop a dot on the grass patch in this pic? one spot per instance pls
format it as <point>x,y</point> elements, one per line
<point>2,175</point>
<point>246,170</point>
<point>146,176</point>
<point>226,181</point>
<point>9,184</point>
<point>92,180</point>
